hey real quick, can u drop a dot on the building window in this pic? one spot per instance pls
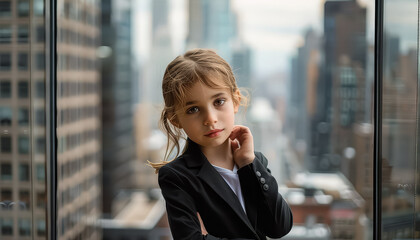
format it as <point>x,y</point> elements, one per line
<point>22,61</point>
<point>5,116</point>
<point>6,171</point>
<point>40,61</point>
<point>40,172</point>
<point>40,89</point>
<point>5,61</point>
<point>23,8</point>
<point>23,172</point>
<point>23,145</point>
<point>6,144</point>
<point>23,34</point>
<point>23,89</point>
<point>5,9</point>
<point>5,34</point>
<point>23,116</point>
<point>6,195</point>
<point>5,89</point>
<point>24,227</point>
<point>40,227</point>
<point>7,227</point>
<point>24,200</point>
<point>40,117</point>
<point>40,34</point>
<point>39,7</point>
<point>40,200</point>
<point>40,145</point>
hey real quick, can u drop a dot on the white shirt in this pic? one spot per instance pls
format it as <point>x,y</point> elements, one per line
<point>232,179</point>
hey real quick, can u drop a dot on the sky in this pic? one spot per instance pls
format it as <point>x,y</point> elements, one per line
<point>272,28</point>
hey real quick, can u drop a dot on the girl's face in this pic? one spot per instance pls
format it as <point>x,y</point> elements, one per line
<point>208,115</point>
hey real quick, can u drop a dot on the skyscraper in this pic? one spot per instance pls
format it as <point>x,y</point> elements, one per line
<point>22,121</point>
<point>79,120</point>
<point>341,87</point>
<point>117,119</point>
<point>302,102</point>
<point>211,25</point>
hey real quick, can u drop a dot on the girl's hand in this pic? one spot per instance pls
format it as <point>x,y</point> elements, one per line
<point>242,145</point>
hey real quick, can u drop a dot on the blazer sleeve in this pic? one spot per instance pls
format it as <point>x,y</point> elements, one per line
<point>180,207</point>
<point>274,217</point>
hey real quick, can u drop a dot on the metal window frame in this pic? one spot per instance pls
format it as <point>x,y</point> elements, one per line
<point>50,8</point>
<point>377,118</point>
<point>51,118</point>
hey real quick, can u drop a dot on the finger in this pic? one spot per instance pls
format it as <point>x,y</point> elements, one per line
<point>241,134</point>
<point>234,145</point>
<point>238,131</point>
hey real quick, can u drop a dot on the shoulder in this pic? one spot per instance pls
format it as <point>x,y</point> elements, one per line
<point>174,170</point>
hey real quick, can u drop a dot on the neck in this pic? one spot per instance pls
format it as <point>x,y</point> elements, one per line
<point>220,156</point>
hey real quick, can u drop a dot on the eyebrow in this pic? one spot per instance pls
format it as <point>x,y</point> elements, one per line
<point>212,97</point>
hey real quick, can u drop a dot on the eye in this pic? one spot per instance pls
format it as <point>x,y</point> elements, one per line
<point>219,102</point>
<point>192,110</point>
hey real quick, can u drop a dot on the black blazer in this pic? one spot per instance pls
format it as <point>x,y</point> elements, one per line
<point>190,184</point>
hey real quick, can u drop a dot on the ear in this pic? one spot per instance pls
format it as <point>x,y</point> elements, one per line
<point>236,103</point>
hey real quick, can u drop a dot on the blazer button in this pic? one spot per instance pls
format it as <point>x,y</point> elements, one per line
<point>262,180</point>
<point>265,187</point>
<point>258,173</point>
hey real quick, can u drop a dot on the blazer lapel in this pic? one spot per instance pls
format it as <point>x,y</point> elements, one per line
<point>195,158</point>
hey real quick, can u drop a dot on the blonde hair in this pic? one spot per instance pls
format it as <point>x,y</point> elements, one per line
<point>197,65</point>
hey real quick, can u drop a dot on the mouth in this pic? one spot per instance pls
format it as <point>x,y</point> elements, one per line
<point>213,133</point>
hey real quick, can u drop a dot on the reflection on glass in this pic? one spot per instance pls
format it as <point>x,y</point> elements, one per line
<point>399,119</point>
<point>78,119</point>
<point>310,108</point>
<point>18,186</point>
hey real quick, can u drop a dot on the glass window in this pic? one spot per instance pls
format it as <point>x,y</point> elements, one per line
<point>5,144</point>
<point>5,34</point>
<point>6,195</point>
<point>40,61</point>
<point>6,226</point>
<point>5,9</point>
<point>23,34</point>
<point>5,61</point>
<point>23,144</point>
<point>23,116</point>
<point>22,61</point>
<point>24,227</point>
<point>40,172</point>
<point>400,120</point>
<point>40,227</point>
<point>23,89</point>
<point>5,89</point>
<point>23,8</point>
<point>40,200</point>
<point>6,171</point>
<point>39,7</point>
<point>40,33</point>
<point>5,116</point>
<point>40,145</point>
<point>40,89</point>
<point>40,117</point>
<point>23,172</point>
<point>24,200</point>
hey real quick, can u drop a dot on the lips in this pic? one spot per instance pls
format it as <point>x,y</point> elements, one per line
<point>213,133</point>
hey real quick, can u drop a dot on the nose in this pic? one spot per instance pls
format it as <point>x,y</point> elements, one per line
<point>210,117</point>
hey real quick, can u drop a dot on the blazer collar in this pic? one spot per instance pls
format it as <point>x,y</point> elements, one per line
<point>195,158</point>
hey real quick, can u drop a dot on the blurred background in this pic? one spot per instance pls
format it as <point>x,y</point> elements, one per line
<point>307,64</point>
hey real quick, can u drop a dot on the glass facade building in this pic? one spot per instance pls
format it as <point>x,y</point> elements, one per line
<point>334,105</point>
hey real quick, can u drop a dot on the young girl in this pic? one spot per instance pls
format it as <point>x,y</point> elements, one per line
<point>218,188</point>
